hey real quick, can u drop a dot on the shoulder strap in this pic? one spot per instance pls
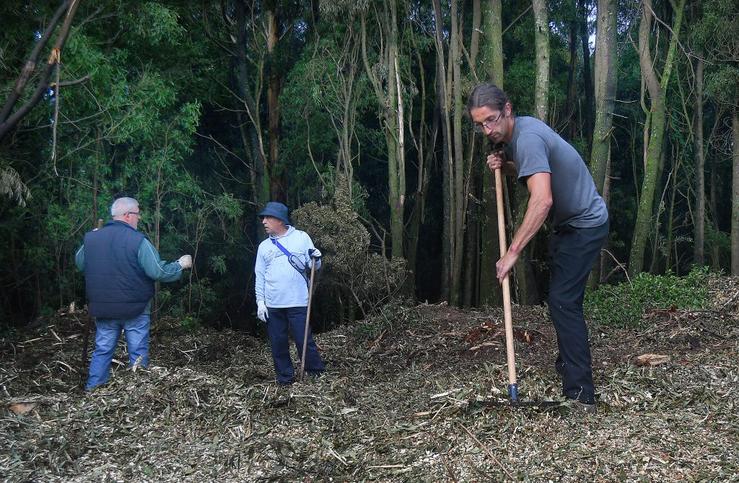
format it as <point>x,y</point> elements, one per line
<point>302,270</point>
<point>279,245</point>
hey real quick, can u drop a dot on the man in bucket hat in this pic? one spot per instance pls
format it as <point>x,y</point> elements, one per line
<point>282,270</point>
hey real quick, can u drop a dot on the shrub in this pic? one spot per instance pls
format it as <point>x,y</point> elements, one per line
<point>352,277</point>
<point>626,303</point>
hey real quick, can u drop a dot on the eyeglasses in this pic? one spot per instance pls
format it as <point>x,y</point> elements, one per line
<point>487,123</point>
<point>137,213</point>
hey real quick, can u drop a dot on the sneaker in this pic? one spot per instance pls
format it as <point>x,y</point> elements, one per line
<point>576,408</point>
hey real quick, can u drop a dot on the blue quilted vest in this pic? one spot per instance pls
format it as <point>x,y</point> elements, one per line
<point>117,287</point>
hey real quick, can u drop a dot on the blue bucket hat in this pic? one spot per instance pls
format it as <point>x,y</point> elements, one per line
<point>276,210</point>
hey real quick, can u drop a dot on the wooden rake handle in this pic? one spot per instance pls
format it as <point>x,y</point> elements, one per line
<point>307,319</point>
<point>508,318</point>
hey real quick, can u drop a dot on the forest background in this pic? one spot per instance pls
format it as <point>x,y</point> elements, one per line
<point>353,112</point>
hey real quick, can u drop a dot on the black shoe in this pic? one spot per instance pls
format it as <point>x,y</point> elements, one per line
<point>573,407</point>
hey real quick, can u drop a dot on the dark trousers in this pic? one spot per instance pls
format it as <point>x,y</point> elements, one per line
<point>573,252</point>
<point>278,324</point>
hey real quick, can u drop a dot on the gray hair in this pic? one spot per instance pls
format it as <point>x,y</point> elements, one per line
<point>121,206</point>
<point>487,95</point>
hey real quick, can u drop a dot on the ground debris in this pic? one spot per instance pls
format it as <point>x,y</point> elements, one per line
<point>416,398</point>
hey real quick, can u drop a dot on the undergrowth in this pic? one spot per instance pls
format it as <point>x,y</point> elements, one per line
<point>624,304</point>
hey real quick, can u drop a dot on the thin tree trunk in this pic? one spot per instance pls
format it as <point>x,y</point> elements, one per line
<point>735,196</point>
<point>699,213</point>
<point>389,100</point>
<point>251,132</point>
<point>571,101</point>
<point>601,268</point>
<point>605,90</point>
<point>458,165</point>
<point>541,38</point>
<point>587,79</point>
<point>444,106</point>
<point>277,188</point>
<point>677,155</point>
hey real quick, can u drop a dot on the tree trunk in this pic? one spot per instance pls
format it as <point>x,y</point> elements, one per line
<point>443,101</point>
<point>251,132</point>
<point>699,213</point>
<point>735,196</point>
<point>425,137</point>
<point>277,186</point>
<point>587,79</point>
<point>389,99</point>
<point>523,272</point>
<point>571,101</point>
<point>541,38</point>
<point>605,90</point>
<point>657,125</point>
<point>458,163</point>
<point>473,184</point>
<point>490,292</point>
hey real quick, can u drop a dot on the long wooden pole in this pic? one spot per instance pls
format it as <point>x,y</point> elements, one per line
<point>508,318</point>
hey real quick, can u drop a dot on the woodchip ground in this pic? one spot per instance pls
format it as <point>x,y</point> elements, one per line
<point>406,398</point>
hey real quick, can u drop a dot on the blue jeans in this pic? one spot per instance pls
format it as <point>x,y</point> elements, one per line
<point>278,323</point>
<point>573,252</point>
<point>107,332</point>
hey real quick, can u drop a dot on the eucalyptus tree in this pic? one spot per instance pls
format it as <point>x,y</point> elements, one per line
<point>324,99</point>
<point>541,36</point>
<point>605,90</point>
<point>492,59</point>
<point>381,58</point>
<point>654,129</point>
<point>605,99</point>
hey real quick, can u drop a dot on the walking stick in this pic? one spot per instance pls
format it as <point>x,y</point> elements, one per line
<point>307,320</point>
<point>510,352</point>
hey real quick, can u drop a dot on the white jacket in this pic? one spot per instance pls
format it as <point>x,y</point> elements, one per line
<point>277,282</point>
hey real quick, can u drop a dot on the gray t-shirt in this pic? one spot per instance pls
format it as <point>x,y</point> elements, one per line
<point>536,148</point>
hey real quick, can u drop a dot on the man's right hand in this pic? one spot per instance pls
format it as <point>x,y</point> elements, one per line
<point>185,261</point>
<point>262,313</point>
<point>495,160</point>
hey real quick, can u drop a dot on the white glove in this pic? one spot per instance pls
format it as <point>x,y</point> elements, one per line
<point>262,313</point>
<point>185,261</point>
<point>315,253</point>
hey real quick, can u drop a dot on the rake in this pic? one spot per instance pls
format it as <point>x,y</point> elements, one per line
<point>507,315</point>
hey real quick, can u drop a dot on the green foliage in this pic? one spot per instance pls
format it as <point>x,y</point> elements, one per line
<point>389,318</point>
<point>624,304</point>
<point>367,280</point>
<point>190,323</point>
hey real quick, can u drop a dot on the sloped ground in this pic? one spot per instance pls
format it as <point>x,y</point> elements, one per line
<point>408,397</point>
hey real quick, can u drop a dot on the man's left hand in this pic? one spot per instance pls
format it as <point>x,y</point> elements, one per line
<point>505,264</point>
<point>314,253</point>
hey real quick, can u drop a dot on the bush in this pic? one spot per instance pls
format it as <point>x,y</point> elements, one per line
<point>352,277</point>
<point>625,304</point>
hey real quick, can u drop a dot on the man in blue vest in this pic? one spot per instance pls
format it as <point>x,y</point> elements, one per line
<point>282,270</point>
<point>121,266</point>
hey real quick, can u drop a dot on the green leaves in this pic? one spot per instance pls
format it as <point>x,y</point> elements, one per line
<point>625,304</point>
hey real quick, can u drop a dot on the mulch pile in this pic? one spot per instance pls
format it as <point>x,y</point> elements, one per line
<point>414,394</point>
